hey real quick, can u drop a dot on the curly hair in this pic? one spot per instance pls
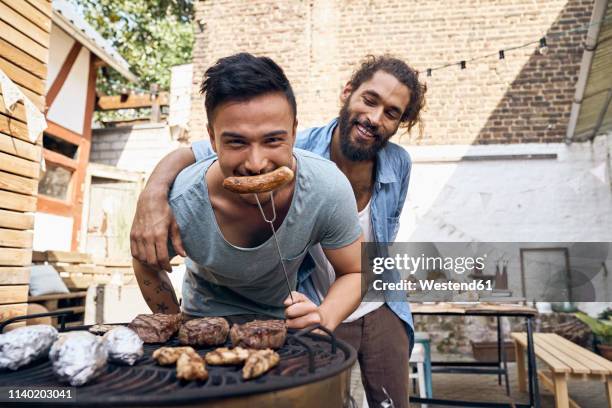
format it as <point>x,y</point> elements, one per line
<point>404,74</point>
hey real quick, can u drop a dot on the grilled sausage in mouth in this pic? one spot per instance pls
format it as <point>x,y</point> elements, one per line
<point>259,184</point>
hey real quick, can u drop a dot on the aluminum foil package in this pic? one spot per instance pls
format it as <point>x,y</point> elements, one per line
<point>124,345</point>
<point>78,357</point>
<point>25,344</point>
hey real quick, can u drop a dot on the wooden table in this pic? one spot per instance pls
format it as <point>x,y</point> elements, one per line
<point>500,367</point>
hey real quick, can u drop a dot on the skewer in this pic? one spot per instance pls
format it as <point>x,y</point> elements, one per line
<point>271,222</point>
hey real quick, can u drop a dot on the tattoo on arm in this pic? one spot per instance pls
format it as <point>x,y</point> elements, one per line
<point>165,287</point>
<point>146,282</point>
<point>161,307</point>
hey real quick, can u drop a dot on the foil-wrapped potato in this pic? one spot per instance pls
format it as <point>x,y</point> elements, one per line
<point>26,344</point>
<point>78,357</point>
<point>124,345</point>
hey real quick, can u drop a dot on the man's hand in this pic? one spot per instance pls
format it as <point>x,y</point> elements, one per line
<point>152,223</point>
<point>302,312</point>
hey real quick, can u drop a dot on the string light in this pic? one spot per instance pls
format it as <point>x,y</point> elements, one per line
<point>542,47</point>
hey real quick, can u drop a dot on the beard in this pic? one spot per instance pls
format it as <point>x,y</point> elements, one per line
<point>353,150</point>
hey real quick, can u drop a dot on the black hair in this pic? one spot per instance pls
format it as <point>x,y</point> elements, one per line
<point>241,77</point>
<point>404,74</point>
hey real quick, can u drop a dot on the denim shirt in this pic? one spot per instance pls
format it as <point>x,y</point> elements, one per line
<point>393,166</point>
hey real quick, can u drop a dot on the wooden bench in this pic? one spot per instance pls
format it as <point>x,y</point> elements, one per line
<point>564,360</point>
<point>79,271</point>
<point>76,269</point>
<point>64,302</point>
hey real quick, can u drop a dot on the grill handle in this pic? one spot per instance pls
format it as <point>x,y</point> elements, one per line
<point>311,367</point>
<point>296,337</point>
<point>61,314</point>
<point>310,329</point>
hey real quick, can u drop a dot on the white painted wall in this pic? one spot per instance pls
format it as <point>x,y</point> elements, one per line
<point>509,200</point>
<point>180,95</point>
<point>52,232</point>
<point>568,199</point>
<point>59,47</point>
<point>68,109</point>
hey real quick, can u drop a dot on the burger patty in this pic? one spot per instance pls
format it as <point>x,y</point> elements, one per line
<point>206,331</point>
<point>155,328</point>
<point>259,334</point>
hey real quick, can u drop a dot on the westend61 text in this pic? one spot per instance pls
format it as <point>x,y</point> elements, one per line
<point>432,285</point>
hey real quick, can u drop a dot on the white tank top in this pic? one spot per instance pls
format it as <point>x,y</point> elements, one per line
<point>324,275</point>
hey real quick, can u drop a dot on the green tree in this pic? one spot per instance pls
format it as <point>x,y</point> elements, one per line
<point>152,36</point>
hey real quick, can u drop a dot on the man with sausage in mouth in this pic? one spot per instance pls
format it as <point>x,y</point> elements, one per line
<point>233,268</point>
<point>382,95</point>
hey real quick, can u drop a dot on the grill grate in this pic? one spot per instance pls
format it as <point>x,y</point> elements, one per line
<point>305,358</point>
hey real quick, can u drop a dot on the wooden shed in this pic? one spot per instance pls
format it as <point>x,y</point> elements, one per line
<point>48,62</point>
<point>76,51</point>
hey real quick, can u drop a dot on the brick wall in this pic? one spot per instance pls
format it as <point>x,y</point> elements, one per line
<point>134,148</point>
<point>525,98</point>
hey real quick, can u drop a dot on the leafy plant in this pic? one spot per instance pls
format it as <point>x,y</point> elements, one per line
<point>601,328</point>
<point>606,314</point>
<point>151,36</point>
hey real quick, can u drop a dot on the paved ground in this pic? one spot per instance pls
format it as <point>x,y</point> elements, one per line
<point>588,394</point>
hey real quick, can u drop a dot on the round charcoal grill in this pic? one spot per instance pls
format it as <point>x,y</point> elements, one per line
<point>313,371</point>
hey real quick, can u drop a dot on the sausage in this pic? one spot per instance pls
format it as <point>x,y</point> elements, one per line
<point>259,184</point>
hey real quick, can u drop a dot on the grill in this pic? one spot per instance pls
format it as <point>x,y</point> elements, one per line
<point>306,359</point>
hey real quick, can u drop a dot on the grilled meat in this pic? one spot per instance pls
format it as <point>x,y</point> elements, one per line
<point>206,331</point>
<point>191,367</point>
<point>226,356</point>
<point>169,355</point>
<point>155,328</point>
<point>259,362</point>
<point>259,334</point>
<point>101,328</point>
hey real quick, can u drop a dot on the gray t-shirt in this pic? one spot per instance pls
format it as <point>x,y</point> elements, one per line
<point>222,279</point>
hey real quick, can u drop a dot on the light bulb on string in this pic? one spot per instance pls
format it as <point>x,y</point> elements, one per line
<point>543,49</point>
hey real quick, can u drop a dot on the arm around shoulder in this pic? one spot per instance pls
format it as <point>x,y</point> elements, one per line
<point>153,219</point>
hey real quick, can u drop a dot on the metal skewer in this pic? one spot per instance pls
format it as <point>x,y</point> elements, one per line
<point>271,222</point>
